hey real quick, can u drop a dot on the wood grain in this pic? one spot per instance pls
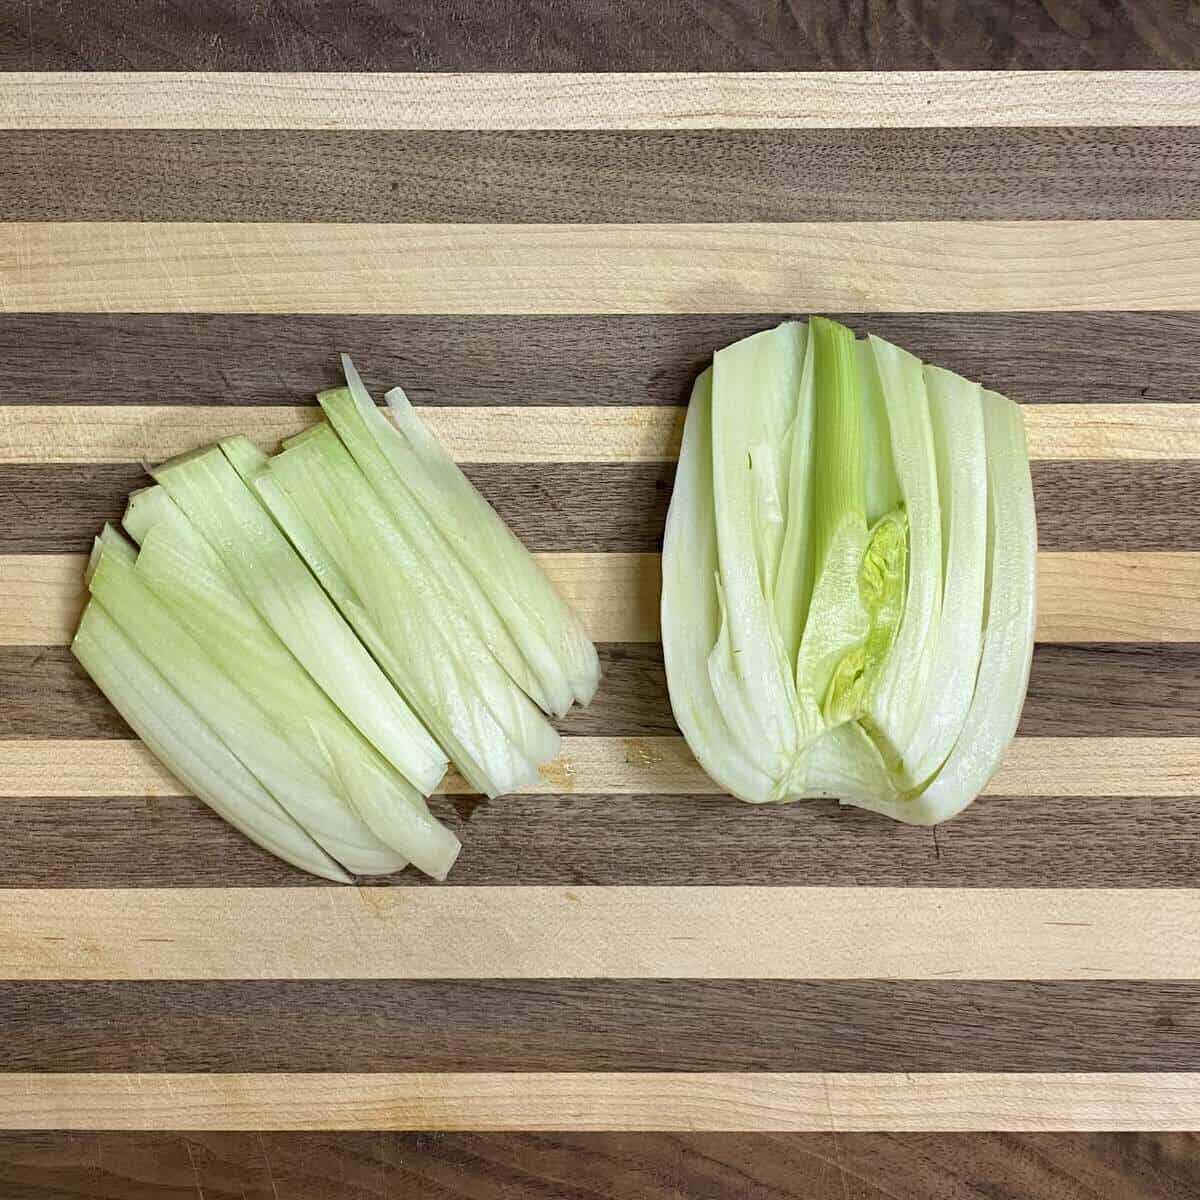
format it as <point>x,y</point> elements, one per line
<point>637,766</point>
<point>1085,690</point>
<point>1111,689</point>
<point>599,932</point>
<point>586,35</point>
<point>163,959</point>
<point>594,507</point>
<point>248,359</point>
<point>599,1025</point>
<point>601,1166</point>
<point>617,595</point>
<point>1122,505</point>
<point>1107,597</point>
<point>1092,505</point>
<point>1093,597</point>
<point>600,840</point>
<point>628,1101</point>
<point>901,266</point>
<point>642,100</point>
<point>581,35</point>
<point>43,596</point>
<point>1083,893</point>
<point>527,434</point>
<point>47,694</point>
<point>600,176</point>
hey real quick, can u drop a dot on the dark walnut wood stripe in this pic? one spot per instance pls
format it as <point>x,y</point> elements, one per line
<point>581,840</point>
<point>241,359</point>
<point>600,1166</point>
<point>601,507</point>
<point>627,176</point>
<point>588,507</point>
<point>587,35</point>
<point>599,1025</point>
<point>1117,505</point>
<point>1093,690</point>
<point>47,695</point>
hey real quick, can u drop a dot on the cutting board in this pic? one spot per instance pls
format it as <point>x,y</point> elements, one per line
<point>631,986</point>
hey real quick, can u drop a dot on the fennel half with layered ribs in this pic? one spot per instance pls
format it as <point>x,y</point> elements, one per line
<point>848,574</point>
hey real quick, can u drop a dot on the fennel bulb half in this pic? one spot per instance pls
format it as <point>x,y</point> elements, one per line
<point>848,574</point>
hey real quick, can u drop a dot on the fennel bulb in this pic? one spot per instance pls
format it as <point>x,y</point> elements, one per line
<point>848,574</point>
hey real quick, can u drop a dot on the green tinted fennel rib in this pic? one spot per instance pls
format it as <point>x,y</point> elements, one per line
<point>276,582</point>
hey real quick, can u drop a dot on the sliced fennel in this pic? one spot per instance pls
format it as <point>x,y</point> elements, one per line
<point>272,577</point>
<point>188,747</point>
<point>529,626</point>
<point>848,575</point>
<point>399,603</point>
<point>232,714</point>
<point>304,638</point>
<point>309,733</point>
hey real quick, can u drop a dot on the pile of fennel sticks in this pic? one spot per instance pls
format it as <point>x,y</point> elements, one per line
<point>306,640</point>
<point>848,575</point>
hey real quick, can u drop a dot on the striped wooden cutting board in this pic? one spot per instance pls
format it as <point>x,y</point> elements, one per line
<point>631,987</point>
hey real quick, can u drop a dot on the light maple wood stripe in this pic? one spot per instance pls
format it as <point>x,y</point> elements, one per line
<point>600,932</point>
<point>41,597</point>
<point>1112,431</point>
<point>595,1101</point>
<point>1119,597</point>
<point>54,433</point>
<point>654,100</point>
<point>1082,597</point>
<point>900,266</point>
<point>635,766</point>
<point>518,434</point>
